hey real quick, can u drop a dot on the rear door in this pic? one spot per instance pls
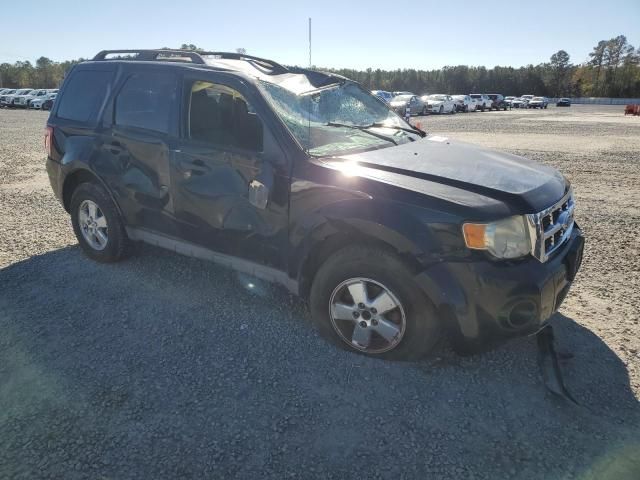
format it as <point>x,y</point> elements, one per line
<point>230,177</point>
<point>140,126</point>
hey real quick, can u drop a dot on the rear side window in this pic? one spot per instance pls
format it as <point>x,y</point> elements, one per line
<point>145,101</point>
<point>84,94</point>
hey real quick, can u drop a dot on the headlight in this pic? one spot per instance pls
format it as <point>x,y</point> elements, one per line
<point>508,238</point>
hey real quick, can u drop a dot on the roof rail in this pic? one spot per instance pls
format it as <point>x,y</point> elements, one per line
<point>153,55</point>
<point>266,66</point>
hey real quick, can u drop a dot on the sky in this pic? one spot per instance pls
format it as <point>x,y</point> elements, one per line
<point>345,34</point>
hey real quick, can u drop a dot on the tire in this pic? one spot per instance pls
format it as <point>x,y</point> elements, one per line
<point>441,110</point>
<point>421,329</point>
<point>115,247</point>
<point>466,109</point>
<point>482,108</point>
<point>424,111</point>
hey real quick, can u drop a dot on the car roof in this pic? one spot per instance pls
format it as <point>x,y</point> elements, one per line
<point>249,67</point>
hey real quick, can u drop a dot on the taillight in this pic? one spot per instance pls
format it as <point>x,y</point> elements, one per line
<point>48,138</point>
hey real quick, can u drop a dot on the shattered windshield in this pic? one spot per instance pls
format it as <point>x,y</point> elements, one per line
<point>336,119</point>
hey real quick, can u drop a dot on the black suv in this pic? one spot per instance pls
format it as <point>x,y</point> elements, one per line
<point>304,178</point>
<point>498,101</point>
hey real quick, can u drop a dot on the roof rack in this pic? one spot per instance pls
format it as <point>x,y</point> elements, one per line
<point>266,66</point>
<point>152,55</point>
<point>263,64</point>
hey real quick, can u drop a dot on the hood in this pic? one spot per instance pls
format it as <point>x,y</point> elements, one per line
<point>398,104</point>
<point>434,102</point>
<point>526,186</point>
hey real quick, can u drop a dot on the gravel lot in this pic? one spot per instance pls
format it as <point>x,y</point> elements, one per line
<point>167,367</point>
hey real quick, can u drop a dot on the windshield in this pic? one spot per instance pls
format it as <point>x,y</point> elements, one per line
<point>537,99</point>
<point>437,97</point>
<point>326,121</point>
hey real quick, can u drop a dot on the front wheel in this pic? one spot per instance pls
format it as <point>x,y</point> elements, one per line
<point>441,110</point>
<point>365,300</point>
<point>424,110</point>
<point>97,224</point>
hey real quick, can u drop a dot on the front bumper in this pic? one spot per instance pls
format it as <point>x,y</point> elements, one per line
<point>486,302</point>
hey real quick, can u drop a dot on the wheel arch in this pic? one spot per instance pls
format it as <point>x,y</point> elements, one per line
<point>78,177</point>
<point>329,238</point>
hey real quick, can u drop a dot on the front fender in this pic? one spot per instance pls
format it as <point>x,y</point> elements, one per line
<point>402,227</point>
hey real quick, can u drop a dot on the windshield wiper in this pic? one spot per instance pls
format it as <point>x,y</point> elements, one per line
<point>415,130</point>
<point>362,128</point>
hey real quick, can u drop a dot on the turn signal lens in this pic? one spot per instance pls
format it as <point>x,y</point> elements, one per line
<point>474,235</point>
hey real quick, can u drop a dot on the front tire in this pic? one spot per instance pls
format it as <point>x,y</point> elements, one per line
<point>364,299</point>
<point>97,224</point>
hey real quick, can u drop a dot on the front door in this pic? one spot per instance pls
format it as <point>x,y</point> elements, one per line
<point>230,178</point>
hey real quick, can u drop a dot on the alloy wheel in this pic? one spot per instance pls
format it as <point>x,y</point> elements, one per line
<point>367,315</point>
<point>93,225</point>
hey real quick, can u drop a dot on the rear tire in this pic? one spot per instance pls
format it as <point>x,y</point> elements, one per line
<point>101,234</point>
<point>417,329</point>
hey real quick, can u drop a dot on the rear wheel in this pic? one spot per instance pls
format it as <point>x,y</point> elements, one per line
<point>365,300</point>
<point>97,224</point>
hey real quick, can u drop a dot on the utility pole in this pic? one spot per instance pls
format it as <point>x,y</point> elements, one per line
<point>310,43</point>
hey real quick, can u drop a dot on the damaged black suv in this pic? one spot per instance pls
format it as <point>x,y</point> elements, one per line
<point>394,237</point>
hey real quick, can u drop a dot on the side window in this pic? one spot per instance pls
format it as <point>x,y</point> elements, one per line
<point>145,101</point>
<point>221,116</point>
<point>84,94</point>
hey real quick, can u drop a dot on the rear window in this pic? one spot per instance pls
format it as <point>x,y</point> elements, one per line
<point>145,101</point>
<point>84,94</point>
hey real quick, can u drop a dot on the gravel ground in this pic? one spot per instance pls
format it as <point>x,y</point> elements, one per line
<point>167,367</point>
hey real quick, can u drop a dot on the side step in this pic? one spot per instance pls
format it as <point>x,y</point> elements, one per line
<point>191,250</point>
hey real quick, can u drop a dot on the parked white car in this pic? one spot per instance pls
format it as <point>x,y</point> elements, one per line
<point>39,101</point>
<point>538,102</point>
<point>526,99</point>
<point>5,97</point>
<point>25,100</point>
<point>439,103</point>
<point>483,102</point>
<point>464,103</point>
<point>11,99</point>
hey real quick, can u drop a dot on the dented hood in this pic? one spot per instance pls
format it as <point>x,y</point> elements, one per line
<point>526,185</point>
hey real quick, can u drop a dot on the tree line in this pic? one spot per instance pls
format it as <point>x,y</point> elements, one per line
<point>612,70</point>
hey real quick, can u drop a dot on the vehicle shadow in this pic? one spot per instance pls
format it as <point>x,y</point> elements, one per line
<point>164,366</point>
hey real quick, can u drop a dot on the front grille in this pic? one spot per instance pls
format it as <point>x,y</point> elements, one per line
<point>551,228</point>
